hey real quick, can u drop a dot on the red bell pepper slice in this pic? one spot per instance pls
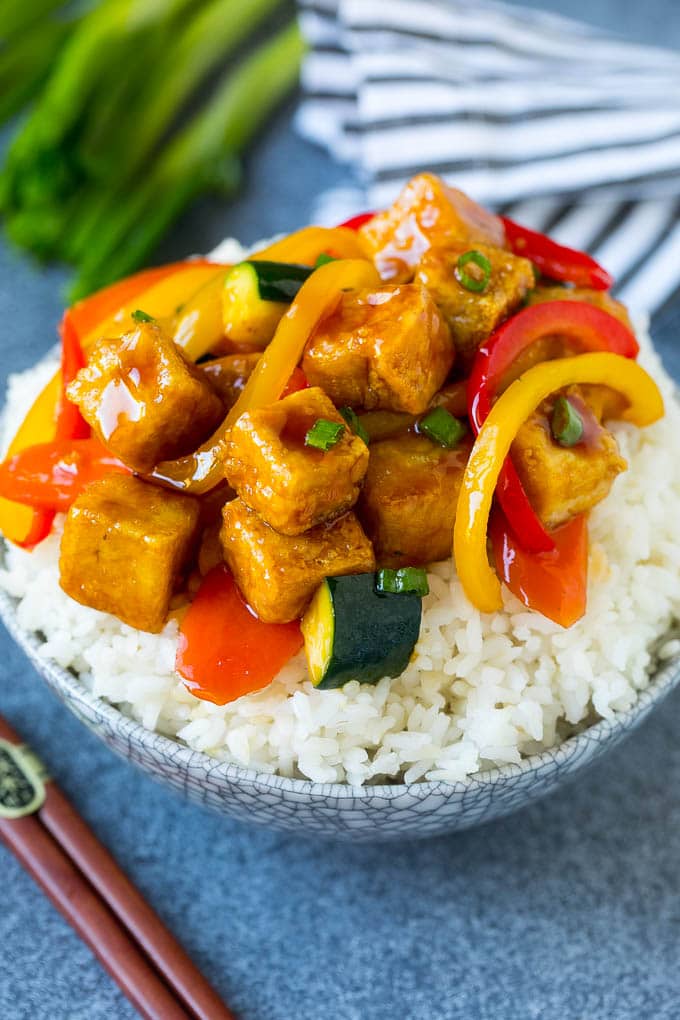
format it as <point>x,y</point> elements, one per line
<point>588,329</point>
<point>224,651</point>
<point>298,381</point>
<point>49,476</point>
<point>551,583</point>
<point>70,422</point>
<point>39,530</point>
<point>555,260</point>
<point>354,222</point>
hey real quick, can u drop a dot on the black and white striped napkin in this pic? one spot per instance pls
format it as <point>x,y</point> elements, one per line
<point>548,120</point>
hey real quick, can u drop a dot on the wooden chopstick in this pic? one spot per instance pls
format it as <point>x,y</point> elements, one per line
<point>86,884</point>
<point>96,925</point>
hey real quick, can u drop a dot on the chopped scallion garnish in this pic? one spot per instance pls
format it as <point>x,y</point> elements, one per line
<point>474,281</point>
<point>566,423</point>
<point>352,420</point>
<point>404,581</point>
<point>140,316</point>
<point>324,434</point>
<point>441,427</point>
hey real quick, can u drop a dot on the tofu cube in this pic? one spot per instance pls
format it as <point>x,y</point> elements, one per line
<point>125,543</point>
<point>408,502</point>
<point>228,376</point>
<point>278,574</point>
<point>472,316</point>
<point>144,400</point>
<point>426,213</point>
<point>386,349</point>
<point>562,482</point>
<point>292,486</point>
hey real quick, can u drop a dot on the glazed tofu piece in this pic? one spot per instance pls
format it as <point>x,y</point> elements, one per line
<point>124,546</point>
<point>293,486</point>
<point>408,502</point>
<point>386,349</point>
<point>227,376</point>
<point>599,298</point>
<point>426,213</point>
<point>473,316</point>
<point>144,400</point>
<point>278,574</point>
<point>563,482</point>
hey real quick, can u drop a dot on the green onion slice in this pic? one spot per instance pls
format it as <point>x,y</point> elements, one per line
<point>566,423</point>
<point>441,427</point>
<point>477,283</point>
<point>324,434</point>
<point>352,420</point>
<point>140,316</point>
<point>405,581</point>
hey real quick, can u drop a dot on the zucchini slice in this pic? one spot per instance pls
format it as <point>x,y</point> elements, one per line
<point>353,633</point>
<point>279,281</point>
<point>256,296</point>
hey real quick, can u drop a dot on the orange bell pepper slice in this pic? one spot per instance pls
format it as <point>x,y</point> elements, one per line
<point>552,583</point>
<point>224,651</point>
<point>50,476</point>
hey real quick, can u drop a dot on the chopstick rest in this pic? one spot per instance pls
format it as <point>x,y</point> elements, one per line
<point>81,878</point>
<point>22,781</point>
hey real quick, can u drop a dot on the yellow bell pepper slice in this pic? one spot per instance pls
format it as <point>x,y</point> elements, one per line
<point>199,324</point>
<point>164,301</point>
<point>645,406</point>
<point>317,298</point>
<point>305,246</point>
<point>39,426</point>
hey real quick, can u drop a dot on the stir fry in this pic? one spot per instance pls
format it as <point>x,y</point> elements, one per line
<point>275,451</point>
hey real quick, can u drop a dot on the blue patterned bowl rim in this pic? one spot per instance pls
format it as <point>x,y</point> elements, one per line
<point>69,685</point>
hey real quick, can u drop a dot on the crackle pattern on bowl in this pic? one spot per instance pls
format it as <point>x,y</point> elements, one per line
<point>386,812</point>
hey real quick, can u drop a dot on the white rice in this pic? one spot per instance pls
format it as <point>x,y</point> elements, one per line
<point>482,690</point>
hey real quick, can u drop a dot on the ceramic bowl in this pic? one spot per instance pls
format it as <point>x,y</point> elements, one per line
<point>371,813</point>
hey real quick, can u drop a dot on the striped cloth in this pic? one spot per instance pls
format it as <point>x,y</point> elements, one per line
<point>545,119</point>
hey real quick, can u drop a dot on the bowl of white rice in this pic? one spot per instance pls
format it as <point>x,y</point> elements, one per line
<point>493,711</point>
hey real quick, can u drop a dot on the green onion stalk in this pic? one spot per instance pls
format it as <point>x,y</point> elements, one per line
<point>24,65</point>
<point>202,155</point>
<point>41,167</point>
<point>189,57</point>
<point>17,17</point>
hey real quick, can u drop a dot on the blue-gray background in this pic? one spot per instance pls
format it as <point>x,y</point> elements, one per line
<point>567,911</point>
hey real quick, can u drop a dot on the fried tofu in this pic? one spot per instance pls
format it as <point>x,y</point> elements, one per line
<point>228,376</point>
<point>293,486</point>
<point>562,482</point>
<point>408,502</point>
<point>125,544</point>
<point>426,213</point>
<point>473,316</point>
<point>144,400</point>
<point>386,349</point>
<point>278,574</point>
